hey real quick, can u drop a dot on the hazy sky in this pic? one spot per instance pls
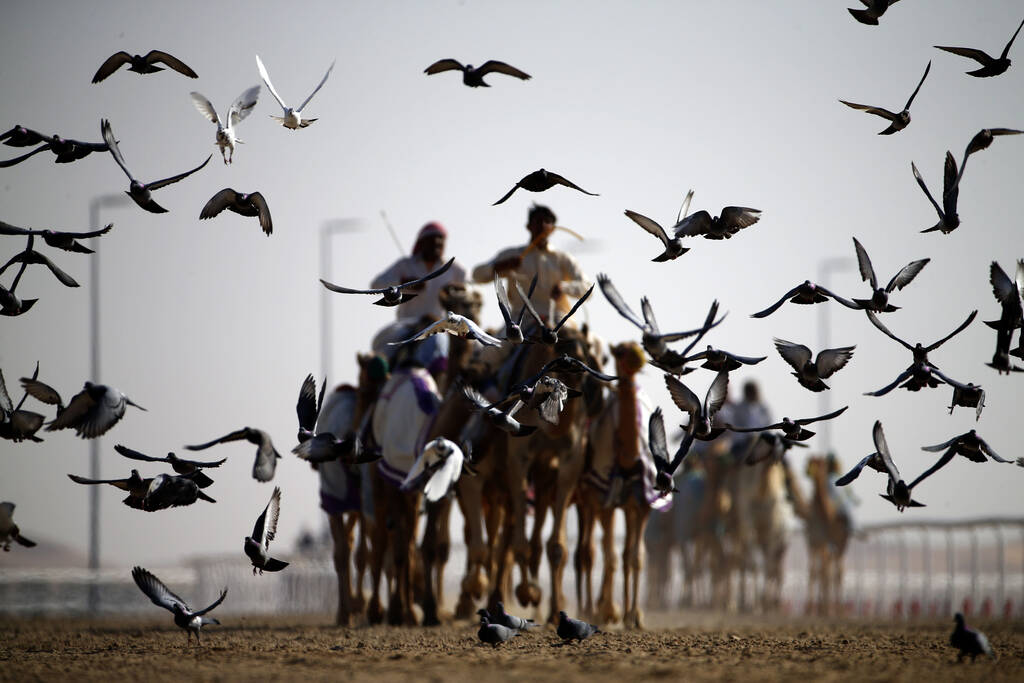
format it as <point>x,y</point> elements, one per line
<point>211,325</point>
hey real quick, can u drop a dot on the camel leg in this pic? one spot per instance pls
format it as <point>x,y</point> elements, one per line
<point>470,498</point>
<point>435,544</point>
<point>378,546</point>
<point>528,591</point>
<point>569,472</point>
<point>403,542</point>
<point>607,610</point>
<point>637,515</point>
<point>342,536</point>
<point>584,559</point>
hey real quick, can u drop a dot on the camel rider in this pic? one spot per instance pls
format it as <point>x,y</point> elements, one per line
<point>427,256</point>
<point>559,275</point>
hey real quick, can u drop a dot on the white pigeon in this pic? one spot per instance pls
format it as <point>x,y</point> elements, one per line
<point>292,118</point>
<point>456,324</point>
<point>440,465</point>
<point>239,109</point>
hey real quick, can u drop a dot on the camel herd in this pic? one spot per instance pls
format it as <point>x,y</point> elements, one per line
<point>727,519</point>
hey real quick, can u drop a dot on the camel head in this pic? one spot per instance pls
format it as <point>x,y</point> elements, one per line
<point>373,372</point>
<point>460,298</point>
<point>629,358</point>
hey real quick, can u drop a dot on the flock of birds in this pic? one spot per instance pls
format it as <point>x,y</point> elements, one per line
<point>97,408</point>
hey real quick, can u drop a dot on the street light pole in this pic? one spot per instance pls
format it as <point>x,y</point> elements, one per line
<point>825,268</point>
<point>329,229</point>
<point>97,203</point>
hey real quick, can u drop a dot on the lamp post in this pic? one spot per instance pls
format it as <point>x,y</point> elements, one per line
<point>329,229</point>
<point>105,201</point>
<point>825,269</point>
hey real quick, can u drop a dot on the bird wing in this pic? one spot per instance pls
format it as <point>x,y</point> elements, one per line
<point>942,446</point>
<point>775,306</point>
<point>263,210</point>
<point>80,405</point>
<point>434,328</point>
<point>19,136</point>
<point>696,224</point>
<point>475,397</point>
<point>684,208</point>
<point>170,60</point>
<point>950,184</point>
<point>41,392</point>
<point>575,306</point>
<point>939,464</point>
<point>652,323</point>
<point>243,105</point>
<point>444,477</point>
<point>444,65</point>
<point>205,107</point>
<point>478,333</point>
<point>867,271</point>
<point>685,399</point>
<point>266,79</point>
<point>828,416</point>
<point>885,330</point>
<point>883,450</point>
<point>1006,50</point>
<point>157,184</point>
<point>503,304</point>
<point>906,274</point>
<point>842,300</point>
<point>17,160</point>
<point>507,195</point>
<point>317,89</point>
<point>979,56</point>
<point>8,229</point>
<point>797,355</point>
<point>431,275</point>
<point>739,217</point>
<point>656,439</point>
<point>306,406</point>
<point>616,300</point>
<point>892,385</point>
<point>156,591</point>
<point>684,448</point>
<point>920,181</point>
<point>261,527</point>
<point>223,594</point>
<point>135,455</point>
<point>493,65</point>
<point>829,361</point>
<point>568,183</point>
<point>529,293</point>
<point>64,278</point>
<point>237,435</point>
<point>648,225</point>
<point>987,450</point>
<point>84,235</point>
<point>1004,289</point>
<point>6,404</point>
<point>529,305</point>
<point>919,84</point>
<point>853,473</point>
<point>955,332</point>
<point>111,64</point>
<point>717,393</point>
<point>117,483</point>
<point>348,290</point>
<point>218,202</point>
<point>115,151</point>
<point>877,111</point>
<point>266,458</point>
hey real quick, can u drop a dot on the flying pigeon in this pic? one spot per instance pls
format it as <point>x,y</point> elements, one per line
<point>292,118</point>
<point>58,239</point>
<point>192,468</point>
<point>541,180</point>
<point>805,293</point>
<point>65,150</point>
<point>549,335</point>
<point>436,470</point>
<point>502,420</point>
<point>897,121</point>
<point>458,325</point>
<point>873,10</point>
<point>239,109</point>
<point>474,78</point>
<point>257,545</point>
<point>393,295</point>
<point>91,412</point>
<point>702,414</point>
<point>792,429</point>
<point>896,491</point>
<point>722,227</point>
<point>141,193</point>
<point>659,449</point>
<point>142,64</point>
<point>673,246</point>
<point>9,530</point>
<point>184,617</point>
<point>879,301</point>
<point>266,455</point>
<point>989,66</point>
<point>17,424</point>
<point>170,490</point>
<point>811,373</point>
<point>244,204</point>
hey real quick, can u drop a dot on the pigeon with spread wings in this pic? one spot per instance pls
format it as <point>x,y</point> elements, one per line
<point>805,293</point>
<point>731,220</point>
<point>266,455</point>
<point>64,149</point>
<point>811,373</point>
<point>91,412</point>
<point>702,413</point>
<point>474,78</point>
<point>257,546</point>
<point>539,181</point>
<point>17,424</point>
<point>292,118</point>
<point>58,239</point>
<point>141,193</point>
<point>897,491</point>
<point>393,295</point>
<point>513,327</point>
<point>226,138</point>
<point>456,324</point>
<point>989,66</point>
<point>879,301</point>
<point>793,429</point>
<point>659,449</point>
<point>191,468</point>
<point>250,204</point>
<point>142,64</point>
<point>873,10</point>
<point>184,616</point>
<point>549,335</point>
<point>673,246</point>
<point>897,121</point>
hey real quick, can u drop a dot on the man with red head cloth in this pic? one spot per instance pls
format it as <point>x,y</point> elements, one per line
<point>427,256</point>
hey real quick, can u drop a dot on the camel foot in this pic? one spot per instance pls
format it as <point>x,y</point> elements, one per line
<point>430,614</point>
<point>608,613</point>
<point>465,608</point>
<point>475,584</point>
<point>528,593</point>
<point>374,613</point>
<point>634,620</point>
<point>396,616</point>
<point>358,603</point>
<point>343,619</point>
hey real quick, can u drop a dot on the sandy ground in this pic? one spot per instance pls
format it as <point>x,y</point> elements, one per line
<point>309,649</point>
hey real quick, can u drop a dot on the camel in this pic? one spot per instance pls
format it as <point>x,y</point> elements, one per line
<point>676,529</point>
<point>341,415</point>
<point>768,512</point>
<point>827,527</point>
<point>620,475</point>
<point>553,459</point>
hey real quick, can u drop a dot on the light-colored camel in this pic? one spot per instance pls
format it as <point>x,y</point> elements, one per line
<point>553,459</point>
<point>827,527</point>
<point>619,475</point>
<point>341,414</point>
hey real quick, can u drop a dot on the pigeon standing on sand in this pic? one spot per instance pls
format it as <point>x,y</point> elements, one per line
<point>184,617</point>
<point>257,545</point>
<point>511,621</point>
<point>970,642</point>
<point>494,634</point>
<point>574,629</point>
